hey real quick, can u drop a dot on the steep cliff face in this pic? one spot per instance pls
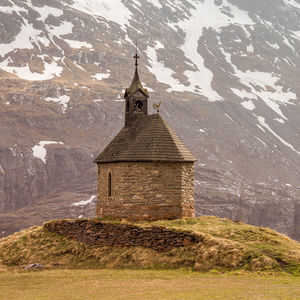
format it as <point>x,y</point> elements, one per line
<point>226,72</point>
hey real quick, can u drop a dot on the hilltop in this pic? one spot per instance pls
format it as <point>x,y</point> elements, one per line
<point>226,72</point>
<point>225,246</point>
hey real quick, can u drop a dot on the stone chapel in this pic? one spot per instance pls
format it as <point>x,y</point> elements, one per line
<point>146,172</point>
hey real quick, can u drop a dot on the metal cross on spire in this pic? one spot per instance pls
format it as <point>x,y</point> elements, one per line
<point>136,56</point>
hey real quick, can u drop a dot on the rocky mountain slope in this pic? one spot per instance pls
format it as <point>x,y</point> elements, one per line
<point>226,72</point>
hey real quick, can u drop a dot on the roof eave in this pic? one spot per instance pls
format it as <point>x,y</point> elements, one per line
<point>145,160</point>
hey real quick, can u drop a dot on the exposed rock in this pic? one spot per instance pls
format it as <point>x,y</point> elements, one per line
<point>33,266</point>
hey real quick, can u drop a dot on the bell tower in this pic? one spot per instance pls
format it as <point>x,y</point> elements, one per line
<point>136,97</point>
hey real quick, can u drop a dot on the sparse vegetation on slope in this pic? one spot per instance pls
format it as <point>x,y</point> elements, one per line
<point>227,245</point>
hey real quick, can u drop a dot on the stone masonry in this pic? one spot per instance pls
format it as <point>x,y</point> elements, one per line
<point>99,233</point>
<point>146,190</point>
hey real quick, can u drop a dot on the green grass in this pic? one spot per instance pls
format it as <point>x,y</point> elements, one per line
<point>144,284</point>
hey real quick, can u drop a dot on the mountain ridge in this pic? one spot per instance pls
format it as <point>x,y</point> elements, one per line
<point>226,72</point>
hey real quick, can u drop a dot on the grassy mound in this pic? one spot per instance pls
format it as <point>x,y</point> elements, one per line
<point>226,245</point>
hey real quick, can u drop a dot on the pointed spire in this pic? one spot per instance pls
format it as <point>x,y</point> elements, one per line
<point>136,83</point>
<point>136,55</point>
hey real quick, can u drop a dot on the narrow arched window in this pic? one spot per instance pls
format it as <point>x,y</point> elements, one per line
<point>109,184</point>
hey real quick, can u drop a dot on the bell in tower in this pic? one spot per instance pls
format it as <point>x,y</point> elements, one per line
<point>136,98</point>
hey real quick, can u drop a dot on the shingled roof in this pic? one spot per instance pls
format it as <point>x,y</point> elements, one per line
<point>149,138</point>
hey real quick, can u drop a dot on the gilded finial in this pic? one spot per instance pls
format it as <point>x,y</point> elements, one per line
<point>136,56</point>
<point>156,106</point>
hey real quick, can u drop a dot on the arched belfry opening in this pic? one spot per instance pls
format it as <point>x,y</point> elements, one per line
<point>136,97</point>
<point>138,105</point>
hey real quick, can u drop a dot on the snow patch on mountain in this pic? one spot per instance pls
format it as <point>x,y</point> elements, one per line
<point>26,39</point>
<point>262,122</point>
<point>292,3</point>
<point>196,79</point>
<point>275,45</point>
<point>78,44</point>
<point>63,29</point>
<point>84,202</point>
<point>64,99</point>
<point>79,67</point>
<point>39,151</point>
<point>263,85</point>
<point>162,73</point>
<point>248,105</point>
<point>112,10</point>
<point>156,3</point>
<point>29,37</point>
<point>50,71</point>
<point>206,15</point>
<point>100,76</point>
<point>261,141</point>
<point>45,11</point>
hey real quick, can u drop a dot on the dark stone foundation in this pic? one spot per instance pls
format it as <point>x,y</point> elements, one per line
<point>100,233</point>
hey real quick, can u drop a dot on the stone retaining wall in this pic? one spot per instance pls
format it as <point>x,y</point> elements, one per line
<point>107,234</point>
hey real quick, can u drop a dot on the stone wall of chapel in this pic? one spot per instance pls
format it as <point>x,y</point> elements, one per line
<point>187,190</point>
<point>146,190</point>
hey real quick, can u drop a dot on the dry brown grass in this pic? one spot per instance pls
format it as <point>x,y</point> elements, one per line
<point>225,245</point>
